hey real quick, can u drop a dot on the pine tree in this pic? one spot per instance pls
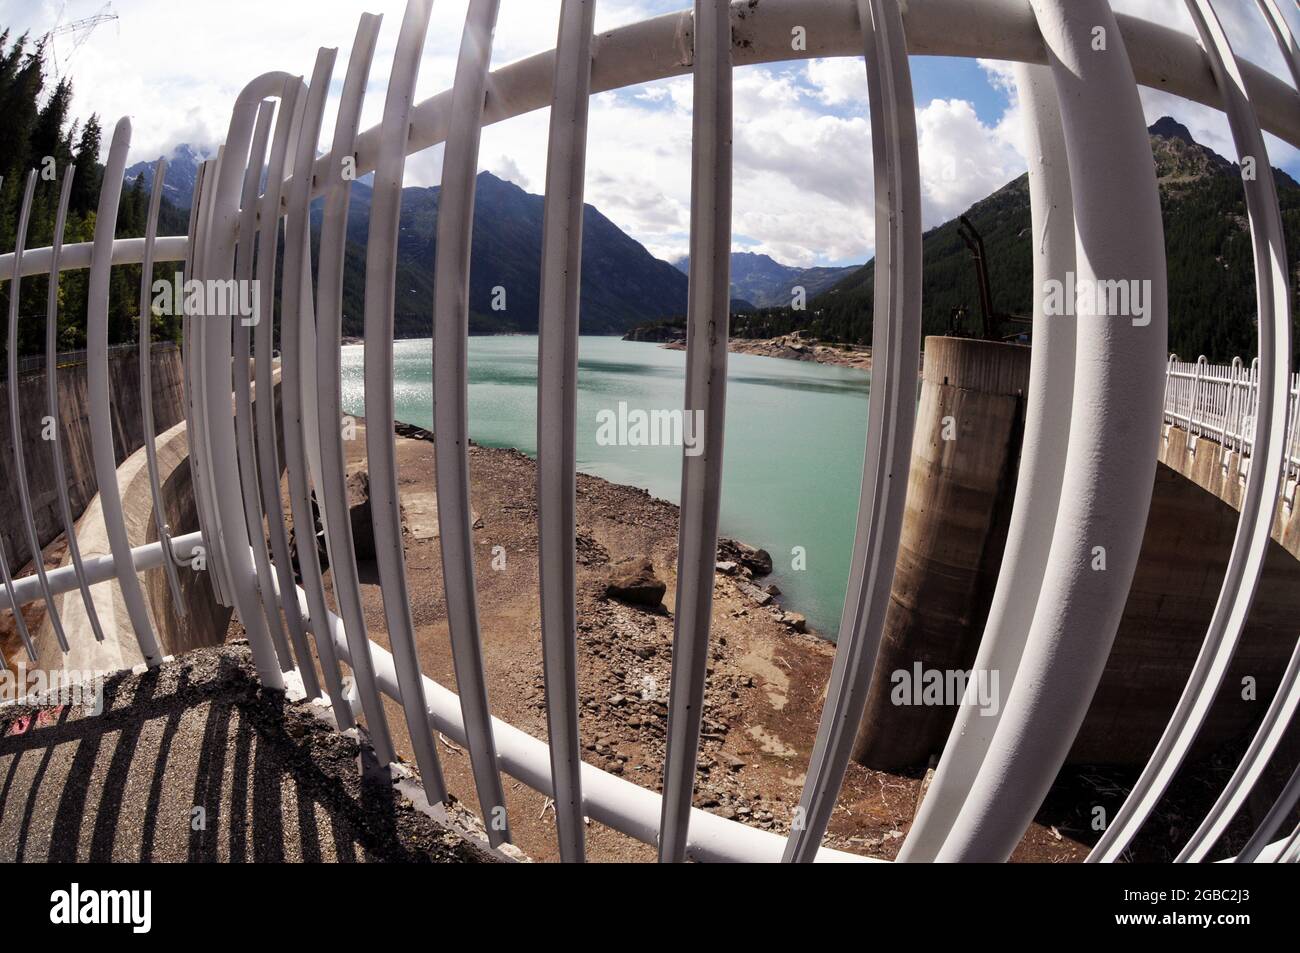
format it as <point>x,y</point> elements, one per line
<point>85,188</point>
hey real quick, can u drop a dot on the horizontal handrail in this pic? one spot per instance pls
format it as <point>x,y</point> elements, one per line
<point>34,364</point>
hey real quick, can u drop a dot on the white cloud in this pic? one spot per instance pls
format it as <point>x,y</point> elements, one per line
<point>839,80</point>
<point>506,168</point>
<point>962,160</point>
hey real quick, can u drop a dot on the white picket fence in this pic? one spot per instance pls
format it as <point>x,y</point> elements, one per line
<point>1219,402</point>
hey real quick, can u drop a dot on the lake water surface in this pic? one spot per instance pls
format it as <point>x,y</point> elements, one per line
<point>792,462</point>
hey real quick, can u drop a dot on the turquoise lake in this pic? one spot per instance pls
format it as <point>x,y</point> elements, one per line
<point>792,462</point>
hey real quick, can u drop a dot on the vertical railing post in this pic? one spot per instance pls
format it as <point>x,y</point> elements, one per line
<point>1198,397</point>
<point>332,488</point>
<point>241,350</point>
<point>891,417</point>
<point>1042,466</point>
<point>15,422</point>
<point>381,449</point>
<point>1259,500</point>
<point>99,396</point>
<point>294,312</point>
<point>52,407</point>
<point>219,263</point>
<point>293,102</point>
<point>451,404</point>
<point>557,391</point>
<point>1117,402</point>
<point>145,345</point>
<point>707,319</point>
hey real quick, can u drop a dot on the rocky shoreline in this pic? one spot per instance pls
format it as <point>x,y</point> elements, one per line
<point>791,347</point>
<point>794,347</point>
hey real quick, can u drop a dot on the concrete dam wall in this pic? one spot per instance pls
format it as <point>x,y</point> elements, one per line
<point>965,457</point>
<point>201,621</point>
<point>74,431</point>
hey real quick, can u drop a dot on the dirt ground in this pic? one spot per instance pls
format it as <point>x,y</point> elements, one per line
<point>766,682</point>
<point>11,643</point>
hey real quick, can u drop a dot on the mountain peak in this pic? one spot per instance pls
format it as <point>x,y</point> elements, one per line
<point>1167,127</point>
<point>1181,159</point>
<point>183,161</point>
<point>760,281</point>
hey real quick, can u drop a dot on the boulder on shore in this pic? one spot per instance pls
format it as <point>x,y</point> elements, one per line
<point>633,581</point>
<point>359,514</point>
<point>363,527</point>
<point>796,621</point>
<point>757,561</point>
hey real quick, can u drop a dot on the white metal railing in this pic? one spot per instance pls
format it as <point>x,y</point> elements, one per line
<point>1221,402</point>
<point>34,364</point>
<point>236,225</point>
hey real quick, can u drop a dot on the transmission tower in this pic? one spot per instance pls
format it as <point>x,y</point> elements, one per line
<point>79,30</point>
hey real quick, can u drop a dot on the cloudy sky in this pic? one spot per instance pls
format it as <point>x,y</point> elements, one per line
<point>802,136</point>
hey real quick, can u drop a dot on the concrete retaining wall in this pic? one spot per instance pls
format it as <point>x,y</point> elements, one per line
<point>205,622</point>
<point>74,428</point>
<point>959,493</point>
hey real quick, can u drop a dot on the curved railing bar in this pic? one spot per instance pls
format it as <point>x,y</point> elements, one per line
<point>1262,746</point>
<point>98,396</point>
<point>189,344</point>
<point>293,100</point>
<point>1002,29</point>
<point>1118,390</point>
<point>185,262</point>
<point>708,317</point>
<point>557,408</point>
<point>297,265</point>
<point>52,405</point>
<point>15,417</point>
<point>219,264</point>
<point>195,374</point>
<point>1263,484</point>
<point>1290,852</point>
<point>896,336</point>
<point>451,404</point>
<point>1042,467</point>
<point>1285,38</point>
<point>381,448</point>
<point>145,335</point>
<point>243,354</point>
<point>7,578</point>
<point>187,367</point>
<point>329,401</point>
<point>1272,822</point>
